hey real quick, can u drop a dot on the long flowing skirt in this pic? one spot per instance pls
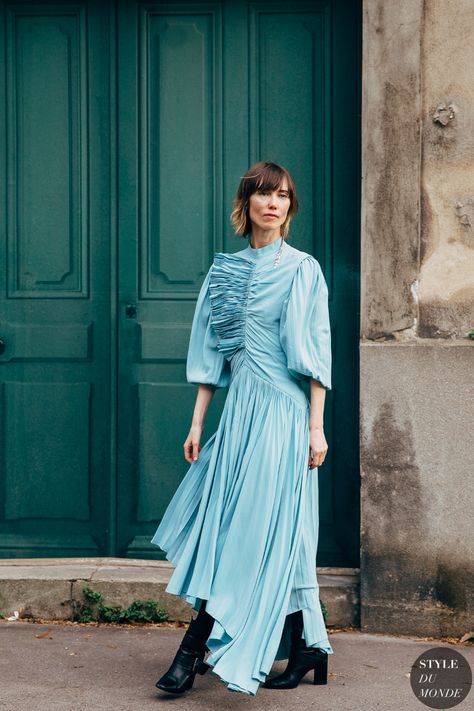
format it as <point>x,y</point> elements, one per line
<point>242,532</point>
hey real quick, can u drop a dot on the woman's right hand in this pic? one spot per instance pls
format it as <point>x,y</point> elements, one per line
<point>191,445</point>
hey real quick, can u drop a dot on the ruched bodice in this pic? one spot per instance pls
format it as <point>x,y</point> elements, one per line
<point>248,311</point>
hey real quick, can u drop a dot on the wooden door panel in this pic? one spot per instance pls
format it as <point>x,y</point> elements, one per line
<point>46,100</point>
<point>170,182</point>
<point>290,89</point>
<point>221,85</point>
<point>54,284</point>
<point>179,147</point>
<point>47,451</point>
<point>291,124</point>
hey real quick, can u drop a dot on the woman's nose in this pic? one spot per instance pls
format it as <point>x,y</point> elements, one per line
<point>272,201</point>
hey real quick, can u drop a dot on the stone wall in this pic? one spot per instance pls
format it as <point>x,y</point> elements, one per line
<point>417,309</point>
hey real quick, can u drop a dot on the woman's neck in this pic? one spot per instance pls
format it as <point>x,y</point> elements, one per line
<point>261,238</point>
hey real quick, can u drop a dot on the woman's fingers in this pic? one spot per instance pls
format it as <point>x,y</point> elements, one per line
<point>318,447</point>
<point>315,459</point>
<point>188,451</point>
<point>191,450</point>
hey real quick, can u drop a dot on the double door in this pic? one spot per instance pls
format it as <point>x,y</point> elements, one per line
<point>127,127</point>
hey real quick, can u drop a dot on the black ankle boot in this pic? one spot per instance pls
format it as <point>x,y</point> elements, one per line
<point>188,661</point>
<point>301,660</point>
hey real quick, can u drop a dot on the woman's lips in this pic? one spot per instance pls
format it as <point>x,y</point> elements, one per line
<point>272,216</point>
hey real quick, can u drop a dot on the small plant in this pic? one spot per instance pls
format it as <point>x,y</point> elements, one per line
<point>145,611</point>
<point>324,611</point>
<point>471,334</point>
<point>2,617</point>
<point>91,596</point>
<point>94,608</point>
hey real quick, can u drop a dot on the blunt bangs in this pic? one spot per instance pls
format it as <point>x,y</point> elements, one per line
<point>270,178</point>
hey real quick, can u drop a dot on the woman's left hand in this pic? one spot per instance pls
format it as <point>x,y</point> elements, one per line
<point>317,448</point>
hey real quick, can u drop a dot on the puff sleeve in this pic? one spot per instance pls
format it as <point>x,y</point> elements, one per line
<point>205,364</point>
<point>304,325</point>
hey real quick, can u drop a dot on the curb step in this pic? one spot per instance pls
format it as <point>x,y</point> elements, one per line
<point>46,588</point>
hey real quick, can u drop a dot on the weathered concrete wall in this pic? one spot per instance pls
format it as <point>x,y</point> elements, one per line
<point>417,307</point>
<point>446,282</point>
<point>417,570</point>
<point>391,109</point>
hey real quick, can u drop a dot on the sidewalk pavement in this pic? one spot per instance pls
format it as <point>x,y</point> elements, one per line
<point>110,668</point>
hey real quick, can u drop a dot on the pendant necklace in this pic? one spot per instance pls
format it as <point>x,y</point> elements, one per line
<point>276,261</point>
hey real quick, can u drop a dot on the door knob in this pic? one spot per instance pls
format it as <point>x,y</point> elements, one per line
<point>131,311</point>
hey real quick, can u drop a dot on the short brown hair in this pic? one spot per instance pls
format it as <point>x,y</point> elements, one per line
<point>261,176</point>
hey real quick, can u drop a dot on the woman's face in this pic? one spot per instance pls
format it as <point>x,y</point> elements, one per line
<point>268,208</point>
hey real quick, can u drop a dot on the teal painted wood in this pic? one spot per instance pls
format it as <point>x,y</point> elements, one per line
<point>275,81</point>
<point>343,207</point>
<point>55,293</point>
<point>95,405</point>
<point>169,205</point>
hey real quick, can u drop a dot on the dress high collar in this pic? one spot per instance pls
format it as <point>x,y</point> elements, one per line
<point>261,252</point>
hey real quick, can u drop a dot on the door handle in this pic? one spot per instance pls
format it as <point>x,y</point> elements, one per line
<point>2,346</point>
<point>131,311</point>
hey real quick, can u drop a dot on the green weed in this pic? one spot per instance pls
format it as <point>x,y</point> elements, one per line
<point>93,608</point>
<point>324,611</point>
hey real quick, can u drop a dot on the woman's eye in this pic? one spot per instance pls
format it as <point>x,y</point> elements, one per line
<point>267,192</point>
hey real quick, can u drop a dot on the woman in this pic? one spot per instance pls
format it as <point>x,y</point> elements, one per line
<point>242,527</point>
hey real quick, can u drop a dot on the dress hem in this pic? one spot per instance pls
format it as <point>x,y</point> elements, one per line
<point>195,601</point>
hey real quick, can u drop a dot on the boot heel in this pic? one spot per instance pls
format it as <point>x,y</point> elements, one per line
<point>202,667</point>
<point>321,671</point>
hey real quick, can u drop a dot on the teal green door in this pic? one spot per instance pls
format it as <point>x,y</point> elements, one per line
<point>55,285</point>
<point>128,126</point>
<point>206,89</point>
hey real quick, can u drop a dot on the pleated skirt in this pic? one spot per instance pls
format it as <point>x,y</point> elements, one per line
<point>242,531</point>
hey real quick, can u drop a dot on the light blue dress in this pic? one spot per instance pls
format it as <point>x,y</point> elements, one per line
<point>242,527</point>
